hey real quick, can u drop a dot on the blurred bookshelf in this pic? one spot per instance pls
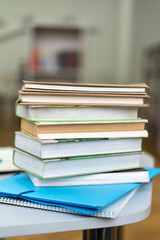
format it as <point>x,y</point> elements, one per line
<point>9,123</point>
<point>151,74</point>
<point>56,53</point>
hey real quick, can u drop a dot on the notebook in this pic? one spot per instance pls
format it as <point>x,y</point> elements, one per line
<point>110,211</point>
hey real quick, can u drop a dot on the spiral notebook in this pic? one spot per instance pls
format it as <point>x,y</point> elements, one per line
<point>110,211</point>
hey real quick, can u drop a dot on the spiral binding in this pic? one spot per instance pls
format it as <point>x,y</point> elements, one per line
<point>28,204</point>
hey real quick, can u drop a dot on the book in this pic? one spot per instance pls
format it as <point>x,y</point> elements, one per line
<point>6,163</point>
<point>84,199</point>
<point>124,134</point>
<point>72,166</point>
<point>74,147</point>
<point>74,113</point>
<point>110,211</point>
<point>82,92</point>
<point>58,98</point>
<point>94,135</point>
<point>36,128</point>
<point>135,88</point>
<point>127,176</point>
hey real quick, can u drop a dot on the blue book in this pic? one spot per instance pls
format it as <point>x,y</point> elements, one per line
<point>85,199</point>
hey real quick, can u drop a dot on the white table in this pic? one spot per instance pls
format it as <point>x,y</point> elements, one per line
<point>19,221</point>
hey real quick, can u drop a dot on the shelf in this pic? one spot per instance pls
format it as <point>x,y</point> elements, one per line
<point>56,52</point>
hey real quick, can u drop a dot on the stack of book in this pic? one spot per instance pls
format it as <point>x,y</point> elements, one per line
<point>80,134</point>
<point>76,140</point>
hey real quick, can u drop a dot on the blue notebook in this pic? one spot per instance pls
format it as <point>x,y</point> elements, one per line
<point>85,199</point>
<point>110,211</point>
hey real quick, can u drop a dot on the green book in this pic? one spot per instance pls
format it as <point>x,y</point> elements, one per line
<point>65,167</point>
<point>73,113</point>
<point>46,149</point>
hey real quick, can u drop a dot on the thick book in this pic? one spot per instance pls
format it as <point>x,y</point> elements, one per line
<point>108,129</point>
<point>84,199</point>
<point>74,113</point>
<point>127,176</point>
<point>110,211</point>
<point>96,99</point>
<point>90,87</point>
<point>36,128</point>
<point>74,147</point>
<point>72,166</point>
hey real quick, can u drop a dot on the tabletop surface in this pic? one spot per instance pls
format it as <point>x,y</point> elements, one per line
<point>19,221</point>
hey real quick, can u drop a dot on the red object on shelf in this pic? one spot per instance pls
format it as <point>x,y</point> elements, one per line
<point>35,61</point>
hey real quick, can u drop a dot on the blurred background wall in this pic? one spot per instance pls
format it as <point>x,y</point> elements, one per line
<point>117,41</point>
<point>97,19</point>
<point>116,32</point>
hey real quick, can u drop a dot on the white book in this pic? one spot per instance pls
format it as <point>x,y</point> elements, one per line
<point>73,166</point>
<point>81,100</point>
<point>74,147</point>
<point>50,123</point>
<point>74,113</point>
<point>122,134</point>
<point>85,89</point>
<point>110,211</point>
<point>139,175</point>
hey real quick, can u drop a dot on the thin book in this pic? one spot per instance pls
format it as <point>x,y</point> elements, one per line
<point>63,86</point>
<point>139,175</point>
<point>82,99</point>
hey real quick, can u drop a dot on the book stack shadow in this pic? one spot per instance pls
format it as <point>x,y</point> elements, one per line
<point>80,146</point>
